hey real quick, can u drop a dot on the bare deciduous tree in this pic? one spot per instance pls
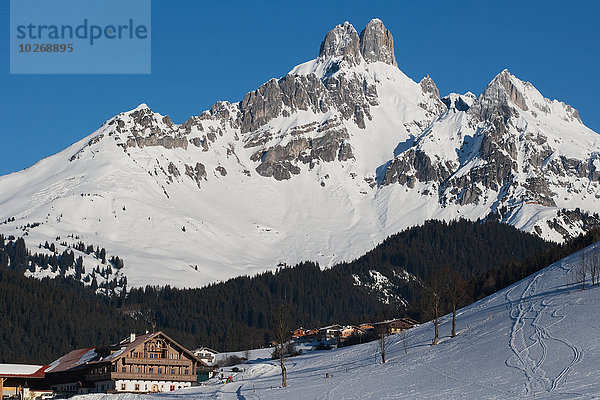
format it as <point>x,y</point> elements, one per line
<point>404,340</point>
<point>595,267</point>
<point>456,290</point>
<point>582,270</point>
<point>435,291</point>
<point>382,341</point>
<point>282,333</point>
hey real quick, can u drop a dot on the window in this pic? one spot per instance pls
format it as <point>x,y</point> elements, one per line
<point>151,370</point>
<point>137,370</point>
<point>123,387</point>
<point>172,388</point>
<point>137,386</point>
<point>186,371</point>
<point>160,370</point>
<point>173,371</point>
<point>124,369</point>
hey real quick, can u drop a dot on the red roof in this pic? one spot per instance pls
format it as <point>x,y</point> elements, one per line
<point>73,359</point>
<point>22,371</point>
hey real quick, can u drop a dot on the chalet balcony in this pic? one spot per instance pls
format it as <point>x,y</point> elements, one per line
<point>139,376</point>
<point>157,361</point>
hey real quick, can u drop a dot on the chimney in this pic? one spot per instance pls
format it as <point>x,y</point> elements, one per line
<point>132,338</point>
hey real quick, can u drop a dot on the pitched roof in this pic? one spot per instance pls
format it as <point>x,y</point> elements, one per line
<point>22,371</point>
<point>73,359</point>
<point>204,348</point>
<point>334,326</point>
<point>127,345</point>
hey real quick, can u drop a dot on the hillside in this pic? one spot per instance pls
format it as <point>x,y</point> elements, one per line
<point>534,339</point>
<point>320,165</point>
<point>239,313</point>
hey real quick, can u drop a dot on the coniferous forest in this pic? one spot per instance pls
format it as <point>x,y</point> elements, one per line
<point>43,319</point>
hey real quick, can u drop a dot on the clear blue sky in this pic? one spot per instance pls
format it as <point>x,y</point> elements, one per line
<point>219,50</point>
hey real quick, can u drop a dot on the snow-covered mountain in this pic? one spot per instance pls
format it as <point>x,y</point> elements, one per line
<point>535,339</point>
<point>321,164</point>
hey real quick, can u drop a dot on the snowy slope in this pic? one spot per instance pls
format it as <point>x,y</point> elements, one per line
<point>534,339</point>
<point>322,165</point>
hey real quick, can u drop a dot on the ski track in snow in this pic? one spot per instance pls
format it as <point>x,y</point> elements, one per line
<point>524,358</point>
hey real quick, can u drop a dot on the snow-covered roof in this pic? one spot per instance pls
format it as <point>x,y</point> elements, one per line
<point>335,326</point>
<point>24,370</point>
<point>205,349</point>
<point>73,359</point>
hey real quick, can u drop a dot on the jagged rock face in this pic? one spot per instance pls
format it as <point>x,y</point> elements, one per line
<point>377,43</point>
<point>459,102</point>
<point>414,166</point>
<point>281,162</point>
<point>433,101</point>
<point>342,41</point>
<point>495,101</point>
<point>498,156</point>
<point>197,173</point>
<point>291,93</point>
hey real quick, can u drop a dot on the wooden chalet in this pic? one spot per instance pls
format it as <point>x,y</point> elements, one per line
<point>206,354</point>
<point>396,325</point>
<point>348,331</point>
<point>330,332</point>
<point>299,333</point>
<point>152,362</point>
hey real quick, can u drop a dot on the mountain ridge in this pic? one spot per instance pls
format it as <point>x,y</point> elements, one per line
<point>319,165</point>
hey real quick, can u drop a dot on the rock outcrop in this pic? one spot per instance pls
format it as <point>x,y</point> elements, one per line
<point>377,43</point>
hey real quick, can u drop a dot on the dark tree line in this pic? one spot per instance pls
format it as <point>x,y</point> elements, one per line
<point>43,319</point>
<point>40,320</point>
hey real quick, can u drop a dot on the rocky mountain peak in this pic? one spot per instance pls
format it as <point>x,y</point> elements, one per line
<point>459,102</point>
<point>342,41</point>
<point>504,95</point>
<point>377,43</point>
<point>506,83</point>
<point>428,86</point>
<point>142,106</point>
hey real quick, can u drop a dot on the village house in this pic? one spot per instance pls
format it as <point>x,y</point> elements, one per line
<point>205,354</point>
<point>330,332</point>
<point>299,333</point>
<point>311,335</point>
<point>394,326</point>
<point>349,331</point>
<point>152,362</point>
<point>366,326</point>
<point>344,333</point>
